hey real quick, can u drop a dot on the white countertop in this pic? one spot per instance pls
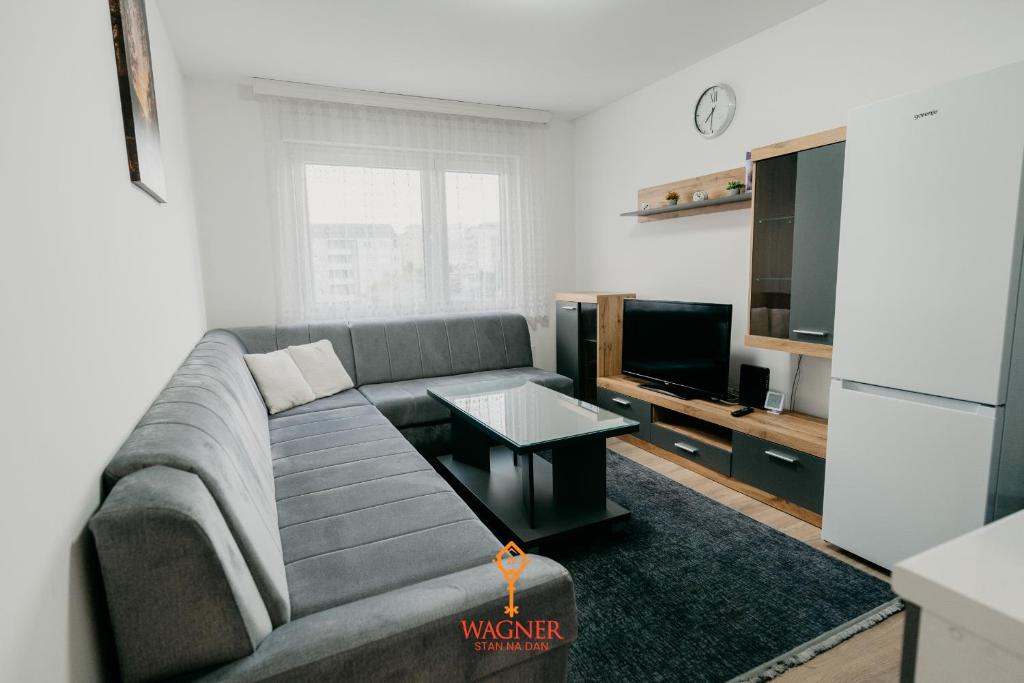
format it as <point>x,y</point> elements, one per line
<point>975,581</point>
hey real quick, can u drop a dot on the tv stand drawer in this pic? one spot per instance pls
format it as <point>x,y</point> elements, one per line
<point>692,449</point>
<point>627,406</point>
<point>787,473</point>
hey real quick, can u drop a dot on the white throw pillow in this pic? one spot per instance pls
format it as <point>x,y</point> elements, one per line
<point>319,364</point>
<point>279,380</point>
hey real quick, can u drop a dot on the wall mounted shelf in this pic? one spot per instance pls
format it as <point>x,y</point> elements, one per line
<point>690,206</point>
<point>714,184</point>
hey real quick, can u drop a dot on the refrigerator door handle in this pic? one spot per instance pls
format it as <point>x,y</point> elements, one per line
<point>922,399</point>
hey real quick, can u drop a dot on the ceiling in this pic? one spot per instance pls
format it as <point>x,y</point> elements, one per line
<point>566,56</point>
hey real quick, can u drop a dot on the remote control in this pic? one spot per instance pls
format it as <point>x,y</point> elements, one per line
<point>742,411</point>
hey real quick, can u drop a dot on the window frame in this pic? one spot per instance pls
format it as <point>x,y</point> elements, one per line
<point>432,165</point>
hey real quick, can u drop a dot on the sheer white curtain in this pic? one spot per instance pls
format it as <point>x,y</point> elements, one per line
<point>382,212</point>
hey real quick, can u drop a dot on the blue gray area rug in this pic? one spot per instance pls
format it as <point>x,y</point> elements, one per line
<point>691,590</point>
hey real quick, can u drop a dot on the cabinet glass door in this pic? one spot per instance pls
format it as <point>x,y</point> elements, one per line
<point>772,259</point>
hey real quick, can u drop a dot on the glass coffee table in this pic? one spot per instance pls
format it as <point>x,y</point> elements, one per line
<point>499,427</point>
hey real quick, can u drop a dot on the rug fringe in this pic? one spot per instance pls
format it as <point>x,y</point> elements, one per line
<point>826,641</point>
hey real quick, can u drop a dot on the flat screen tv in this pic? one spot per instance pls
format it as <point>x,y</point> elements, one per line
<point>682,348</point>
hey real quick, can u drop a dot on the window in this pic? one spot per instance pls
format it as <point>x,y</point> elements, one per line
<point>365,232</point>
<point>365,226</point>
<point>383,212</point>
<point>473,232</point>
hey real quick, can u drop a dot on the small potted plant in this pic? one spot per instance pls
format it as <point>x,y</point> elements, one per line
<point>734,187</point>
<point>672,198</point>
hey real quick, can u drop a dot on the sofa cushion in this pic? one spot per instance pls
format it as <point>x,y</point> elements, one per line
<point>413,633</point>
<point>348,487</point>
<point>344,399</point>
<point>407,403</point>
<point>279,379</point>
<point>434,346</point>
<point>211,421</point>
<point>321,368</point>
<point>180,594</point>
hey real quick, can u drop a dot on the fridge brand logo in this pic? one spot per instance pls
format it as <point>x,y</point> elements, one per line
<point>933,112</point>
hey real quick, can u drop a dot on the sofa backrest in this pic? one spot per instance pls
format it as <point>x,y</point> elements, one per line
<point>267,338</point>
<point>211,421</point>
<point>434,346</point>
<point>376,351</point>
<point>180,595</point>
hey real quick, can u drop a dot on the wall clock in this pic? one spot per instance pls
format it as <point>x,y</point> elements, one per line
<point>714,110</point>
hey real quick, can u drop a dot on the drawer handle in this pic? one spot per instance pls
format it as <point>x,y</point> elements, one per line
<point>788,459</point>
<point>568,308</point>
<point>812,333</point>
<point>621,402</point>
<point>685,447</point>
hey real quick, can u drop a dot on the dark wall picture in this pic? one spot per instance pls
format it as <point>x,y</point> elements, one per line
<point>138,96</point>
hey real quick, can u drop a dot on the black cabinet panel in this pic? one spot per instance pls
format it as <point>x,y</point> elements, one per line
<point>567,342</point>
<point>819,200</point>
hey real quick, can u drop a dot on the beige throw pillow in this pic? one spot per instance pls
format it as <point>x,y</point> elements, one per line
<point>279,380</point>
<point>319,364</point>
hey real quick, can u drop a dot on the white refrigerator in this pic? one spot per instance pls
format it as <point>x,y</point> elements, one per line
<point>919,439</point>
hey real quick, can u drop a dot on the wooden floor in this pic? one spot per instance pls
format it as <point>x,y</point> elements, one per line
<point>873,655</point>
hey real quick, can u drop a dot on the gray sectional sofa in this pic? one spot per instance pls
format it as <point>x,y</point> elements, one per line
<point>316,544</point>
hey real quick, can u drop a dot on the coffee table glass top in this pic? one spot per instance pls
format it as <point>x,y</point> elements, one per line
<point>526,416</point>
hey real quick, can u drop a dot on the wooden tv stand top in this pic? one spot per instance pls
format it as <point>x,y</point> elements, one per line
<point>803,432</point>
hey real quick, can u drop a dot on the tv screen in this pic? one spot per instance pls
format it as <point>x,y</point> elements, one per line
<point>682,345</point>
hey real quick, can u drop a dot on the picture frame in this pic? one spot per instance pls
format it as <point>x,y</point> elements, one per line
<point>134,61</point>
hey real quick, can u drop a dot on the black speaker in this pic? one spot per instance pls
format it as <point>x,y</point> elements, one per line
<point>753,385</point>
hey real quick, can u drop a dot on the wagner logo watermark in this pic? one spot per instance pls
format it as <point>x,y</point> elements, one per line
<point>511,634</point>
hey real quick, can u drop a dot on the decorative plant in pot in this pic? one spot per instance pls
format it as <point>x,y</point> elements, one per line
<point>734,187</point>
<point>672,198</point>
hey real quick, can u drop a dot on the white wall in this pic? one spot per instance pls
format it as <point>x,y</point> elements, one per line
<point>799,77</point>
<point>101,298</point>
<point>234,212</point>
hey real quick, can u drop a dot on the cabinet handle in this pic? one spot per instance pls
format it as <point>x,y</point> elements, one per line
<point>812,333</point>
<point>788,459</point>
<point>685,447</point>
<point>621,401</point>
<point>568,308</point>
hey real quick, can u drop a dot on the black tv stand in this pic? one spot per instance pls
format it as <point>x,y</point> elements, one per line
<point>672,391</point>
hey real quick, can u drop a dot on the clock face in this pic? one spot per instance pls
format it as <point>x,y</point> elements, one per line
<point>714,110</point>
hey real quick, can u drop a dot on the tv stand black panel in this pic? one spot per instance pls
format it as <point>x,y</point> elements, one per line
<point>576,346</point>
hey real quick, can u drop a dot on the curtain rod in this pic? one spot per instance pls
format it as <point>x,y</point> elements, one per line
<point>323,93</point>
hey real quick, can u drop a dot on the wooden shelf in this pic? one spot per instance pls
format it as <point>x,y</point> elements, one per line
<point>802,432</point>
<point>713,183</point>
<point>591,297</point>
<point>825,137</point>
<point>788,345</point>
<point>689,207</point>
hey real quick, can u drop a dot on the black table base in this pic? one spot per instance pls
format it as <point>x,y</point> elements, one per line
<point>535,500</point>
